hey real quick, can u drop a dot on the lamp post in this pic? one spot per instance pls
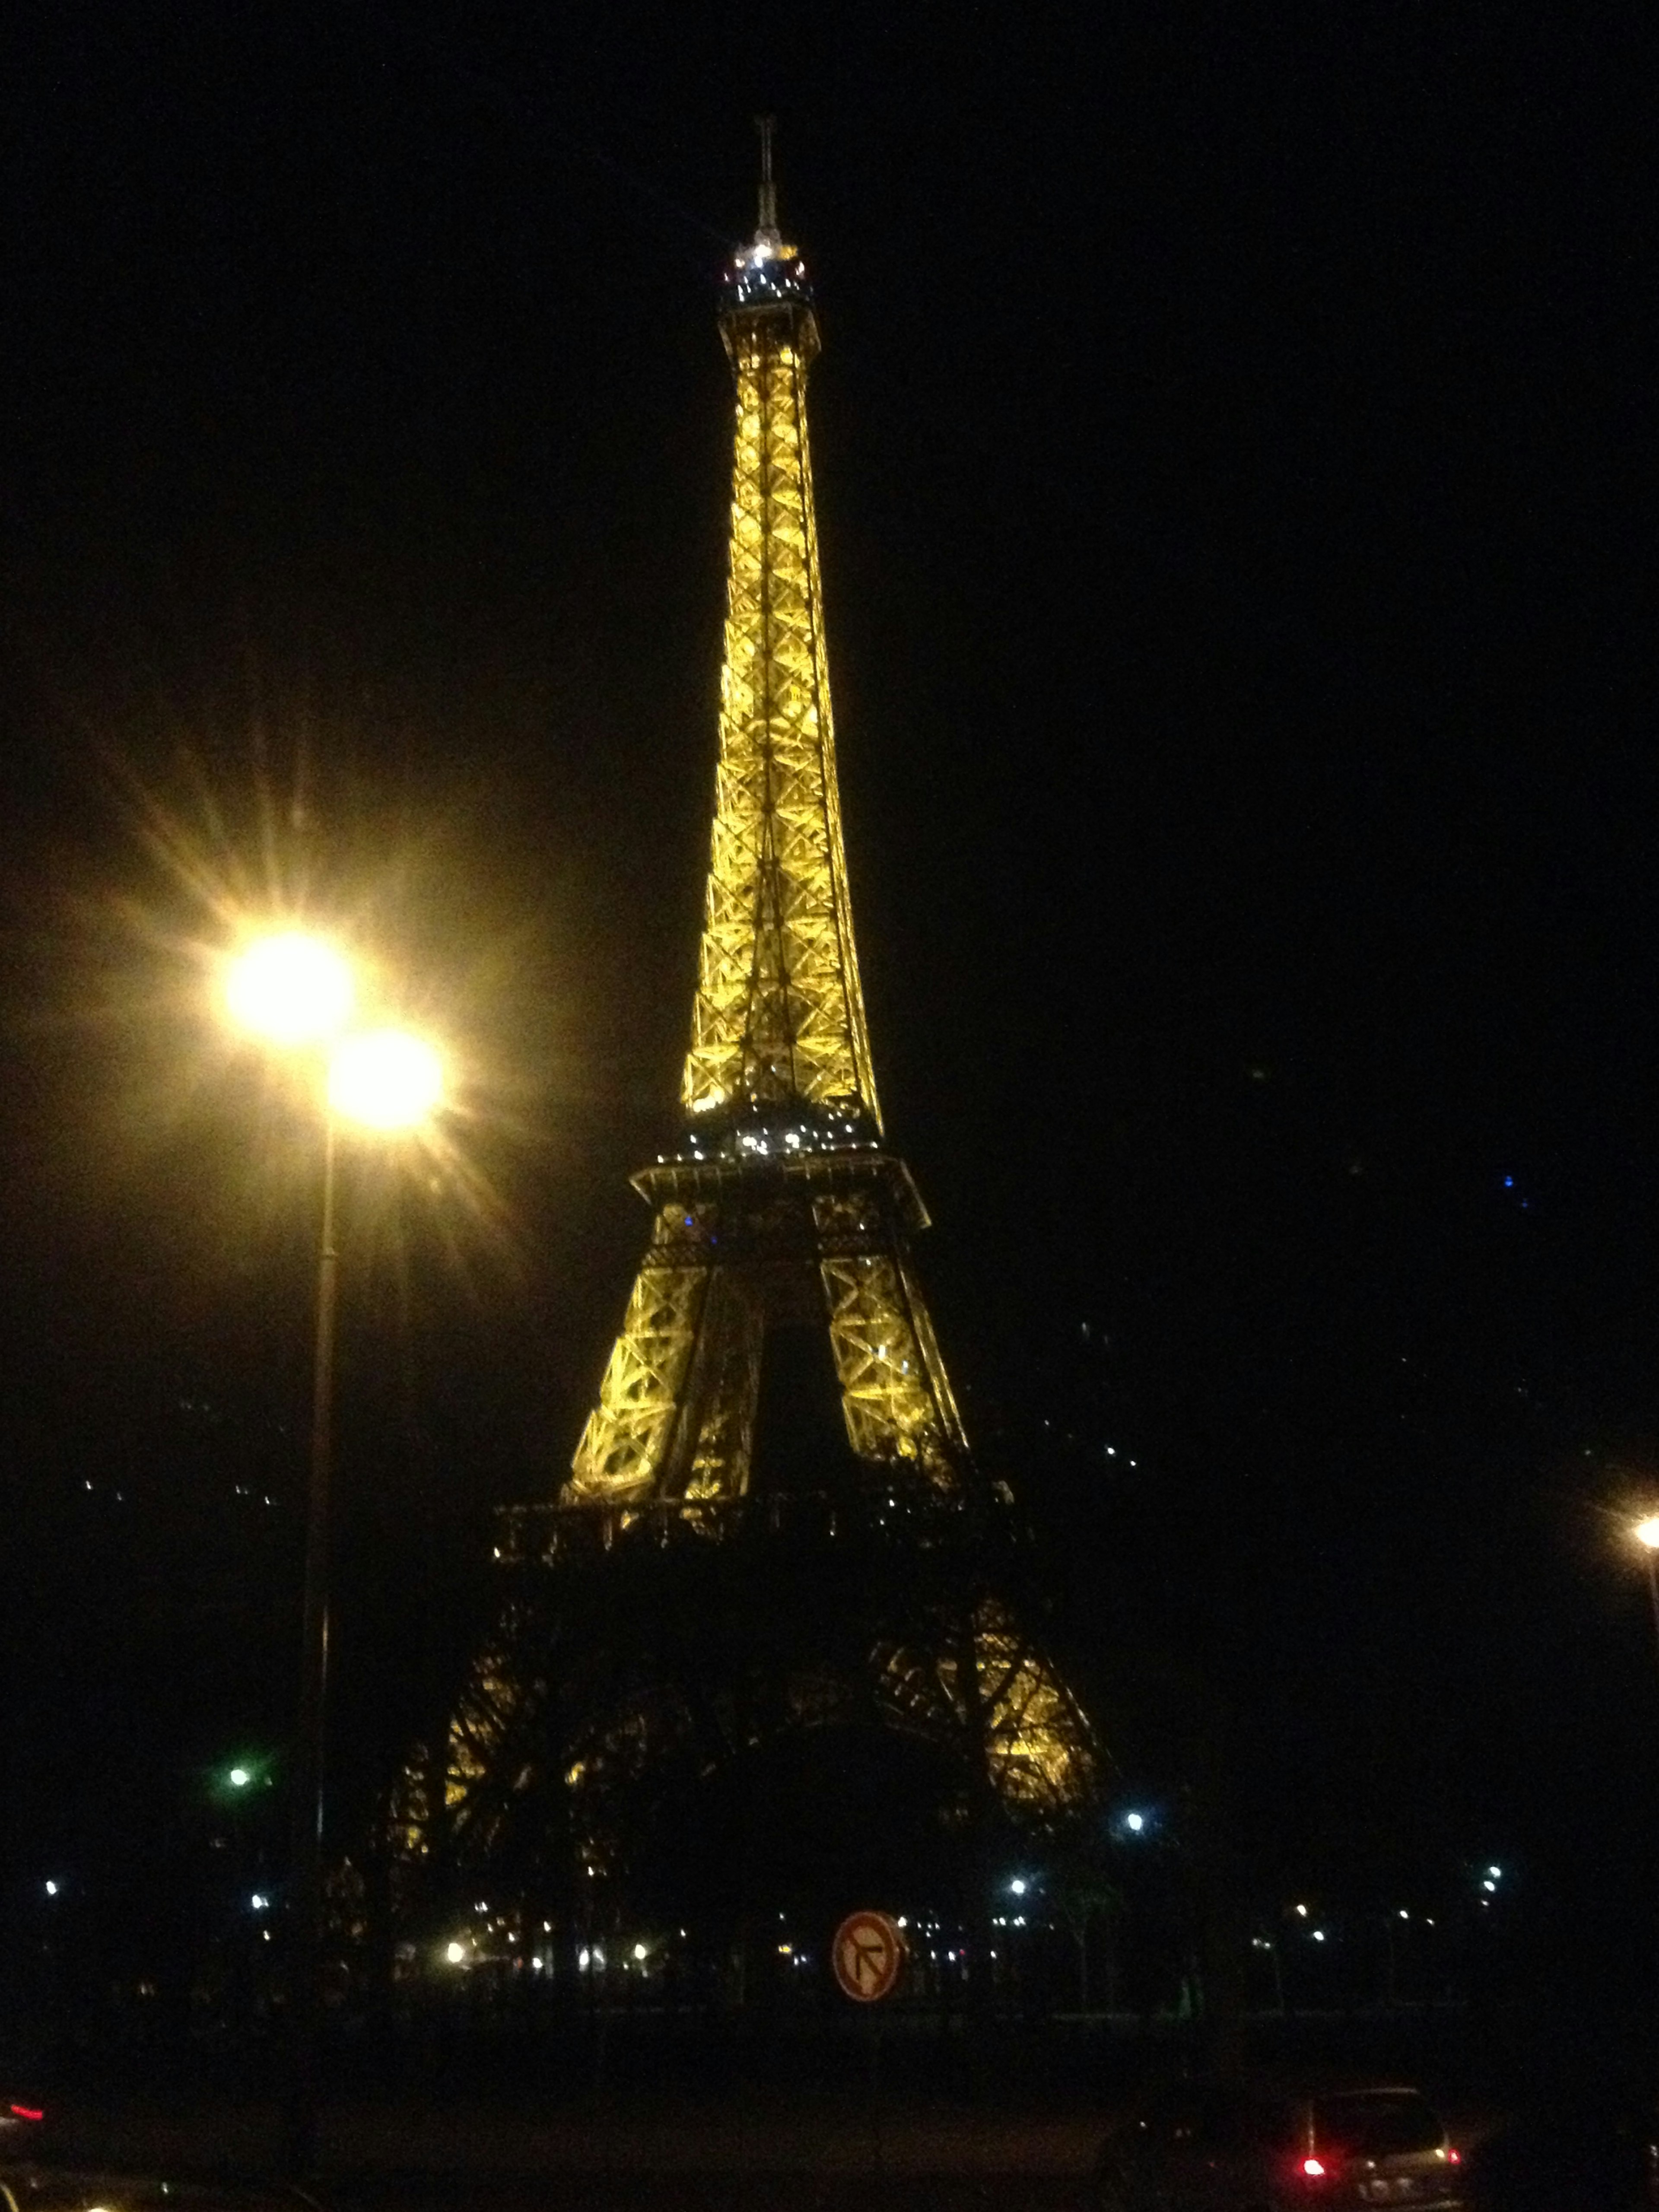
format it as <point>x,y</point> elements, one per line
<point>1646,1533</point>
<point>296,990</point>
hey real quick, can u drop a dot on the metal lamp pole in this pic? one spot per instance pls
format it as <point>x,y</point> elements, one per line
<point>295,990</point>
<point>306,1931</point>
<point>1646,1534</point>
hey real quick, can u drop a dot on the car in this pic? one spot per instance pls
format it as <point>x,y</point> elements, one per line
<point>22,2116</point>
<point>32,2188</point>
<point>1569,2144</point>
<point>1217,2146</point>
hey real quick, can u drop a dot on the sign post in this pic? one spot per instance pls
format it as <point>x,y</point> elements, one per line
<point>867,1953</point>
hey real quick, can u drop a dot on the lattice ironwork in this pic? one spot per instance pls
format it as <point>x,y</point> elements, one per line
<point>779,1013</point>
<point>780,1205</point>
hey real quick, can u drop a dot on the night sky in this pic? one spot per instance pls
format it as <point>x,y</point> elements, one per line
<point>1232,448</point>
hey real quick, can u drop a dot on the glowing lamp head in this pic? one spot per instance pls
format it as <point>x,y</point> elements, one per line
<point>386,1079</point>
<point>1646,1532</point>
<point>455,1953</point>
<point>290,989</point>
<point>1313,2169</point>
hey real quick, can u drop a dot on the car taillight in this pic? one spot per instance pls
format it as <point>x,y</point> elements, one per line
<point>1454,2156</point>
<point>1312,2169</point>
<point>27,2112</point>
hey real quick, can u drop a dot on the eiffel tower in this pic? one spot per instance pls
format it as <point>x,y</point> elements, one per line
<point>705,1586</point>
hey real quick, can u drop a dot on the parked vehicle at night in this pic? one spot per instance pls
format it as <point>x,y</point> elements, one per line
<point>1214,2146</point>
<point>47,2189</point>
<point>22,2116</point>
<point>1562,2148</point>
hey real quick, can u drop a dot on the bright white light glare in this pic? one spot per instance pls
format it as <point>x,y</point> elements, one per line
<point>240,1777</point>
<point>386,1079</point>
<point>259,1901</point>
<point>582,1957</point>
<point>290,989</point>
<point>1301,1911</point>
<point>455,1953</point>
<point>639,1951</point>
<point>1134,1822</point>
<point>1318,1935</point>
<point>52,1889</point>
<point>1497,1872</point>
<point>1017,1885</point>
<point>1647,1532</point>
<point>1489,1884</point>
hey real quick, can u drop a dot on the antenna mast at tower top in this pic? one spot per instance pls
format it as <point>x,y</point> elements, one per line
<point>768,192</point>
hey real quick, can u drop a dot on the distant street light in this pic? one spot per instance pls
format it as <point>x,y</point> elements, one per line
<point>293,990</point>
<point>1646,1533</point>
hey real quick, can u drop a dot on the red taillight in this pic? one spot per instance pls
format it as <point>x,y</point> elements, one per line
<point>27,2112</point>
<point>1313,2169</point>
<point>1454,2157</point>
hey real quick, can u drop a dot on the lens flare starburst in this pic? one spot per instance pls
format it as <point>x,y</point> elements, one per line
<point>386,1079</point>
<point>290,988</point>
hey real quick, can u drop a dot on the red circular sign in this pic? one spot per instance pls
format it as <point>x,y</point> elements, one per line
<point>868,1951</point>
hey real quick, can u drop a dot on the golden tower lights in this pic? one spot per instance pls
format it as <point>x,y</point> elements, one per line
<point>782,1204</point>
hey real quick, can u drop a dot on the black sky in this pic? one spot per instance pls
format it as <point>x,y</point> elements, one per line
<point>1233,455</point>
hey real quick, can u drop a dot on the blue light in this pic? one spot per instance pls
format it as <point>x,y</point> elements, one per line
<point>1509,1182</point>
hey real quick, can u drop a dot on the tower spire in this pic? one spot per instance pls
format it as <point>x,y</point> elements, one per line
<point>768,234</point>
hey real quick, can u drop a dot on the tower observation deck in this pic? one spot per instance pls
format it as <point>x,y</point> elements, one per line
<point>779,1211</point>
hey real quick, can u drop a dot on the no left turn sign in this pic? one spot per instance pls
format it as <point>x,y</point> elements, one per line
<point>868,1951</point>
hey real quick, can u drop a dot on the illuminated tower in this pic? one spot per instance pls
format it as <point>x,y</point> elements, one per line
<point>780,1210</point>
<point>781,1202</point>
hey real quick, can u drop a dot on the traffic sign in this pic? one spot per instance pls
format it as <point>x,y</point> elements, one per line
<point>867,1951</point>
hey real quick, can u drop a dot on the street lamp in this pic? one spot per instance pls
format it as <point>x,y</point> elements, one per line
<point>290,989</point>
<point>297,991</point>
<point>1646,1533</point>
